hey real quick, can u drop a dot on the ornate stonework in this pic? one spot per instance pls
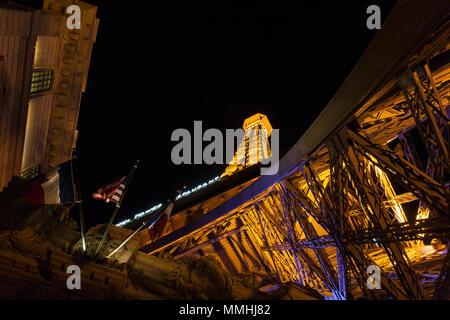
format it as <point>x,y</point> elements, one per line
<point>34,261</point>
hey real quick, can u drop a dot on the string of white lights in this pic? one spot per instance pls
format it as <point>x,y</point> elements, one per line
<point>159,205</point>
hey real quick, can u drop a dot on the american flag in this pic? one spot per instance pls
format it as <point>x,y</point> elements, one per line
<point>111,192</point>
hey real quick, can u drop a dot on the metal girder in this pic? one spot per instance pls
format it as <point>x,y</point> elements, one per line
<point>443,283</point>
<point>301,216</point>
<point>257,225</point>
<point>306,204</point>
<point>399,199</point>
<point>322,211</point>
<point>267,243</point>
<point>334,204</point>
<point>289,228</point>
<point>344,180</point>
<point>424,230</point>
<point>207,243</point>
<point>228,226</point>
<point>277,229</point>
<point>320,242</point>
<point>307,267</point>
<point>426,188</point>
<point>342,219</point>
<point>425,103</point>
<point>363,180</point>
<point>361,263</point>
<point>429,114</point>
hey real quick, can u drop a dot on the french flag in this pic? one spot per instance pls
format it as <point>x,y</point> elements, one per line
<point>52,188</point>
<point>156,225</point>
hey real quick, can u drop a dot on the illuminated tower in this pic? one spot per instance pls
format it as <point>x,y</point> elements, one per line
<point>254,147</point>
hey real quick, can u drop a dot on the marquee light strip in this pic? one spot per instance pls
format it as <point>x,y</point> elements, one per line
<point>159,205</point>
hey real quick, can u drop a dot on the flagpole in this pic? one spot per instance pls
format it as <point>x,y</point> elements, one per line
<point>77,193</point>
<point>117,207</point>
<point>136,231</point>
<point>125,241</point>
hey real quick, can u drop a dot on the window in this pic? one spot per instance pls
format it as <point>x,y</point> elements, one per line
<point>41,80</point>
<point>31,172</point>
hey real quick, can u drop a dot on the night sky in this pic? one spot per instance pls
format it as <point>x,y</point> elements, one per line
<point>161,65</point>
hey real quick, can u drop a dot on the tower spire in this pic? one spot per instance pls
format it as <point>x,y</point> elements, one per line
<point>254,147</point>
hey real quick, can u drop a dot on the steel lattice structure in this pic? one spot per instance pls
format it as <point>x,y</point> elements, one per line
<point>374,189</point>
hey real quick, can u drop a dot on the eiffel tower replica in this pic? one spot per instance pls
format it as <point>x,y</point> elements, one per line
<point>255,147</point>
<point>366,187</point>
